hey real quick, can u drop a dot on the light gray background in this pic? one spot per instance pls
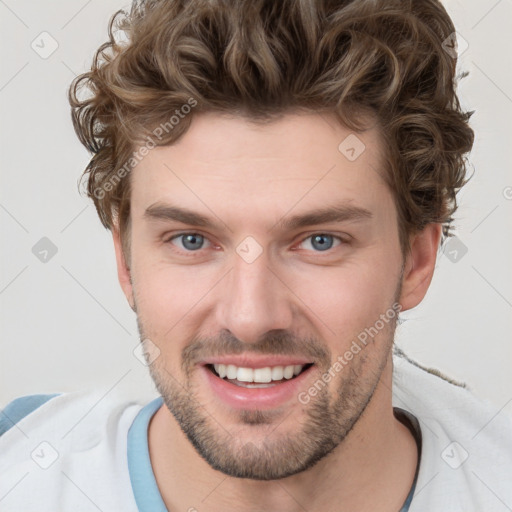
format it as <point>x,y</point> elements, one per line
<point>65,324</point>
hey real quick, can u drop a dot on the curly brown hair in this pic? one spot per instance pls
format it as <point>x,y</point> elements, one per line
<point>264,58</point>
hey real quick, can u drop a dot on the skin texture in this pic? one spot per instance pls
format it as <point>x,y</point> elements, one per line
<point>344,449</point>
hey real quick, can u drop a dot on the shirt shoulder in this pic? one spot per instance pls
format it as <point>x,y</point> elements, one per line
<point>53,443</point>
<point>466,459</point>
<point>20,407</point>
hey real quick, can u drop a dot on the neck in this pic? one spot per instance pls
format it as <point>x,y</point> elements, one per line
<point>373,468</point>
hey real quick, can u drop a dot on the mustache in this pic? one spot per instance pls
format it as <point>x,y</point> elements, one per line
<point>276,342</point>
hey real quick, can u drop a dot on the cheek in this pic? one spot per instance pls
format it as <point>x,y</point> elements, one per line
<point>346,301</point>
<point>167,296</point>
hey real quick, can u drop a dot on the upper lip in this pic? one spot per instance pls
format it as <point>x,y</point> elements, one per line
<point>253,361</point>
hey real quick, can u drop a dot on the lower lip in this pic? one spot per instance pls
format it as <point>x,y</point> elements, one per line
<point>239,397</point>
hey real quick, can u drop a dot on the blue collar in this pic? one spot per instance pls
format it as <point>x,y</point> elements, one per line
<point>145,489</point>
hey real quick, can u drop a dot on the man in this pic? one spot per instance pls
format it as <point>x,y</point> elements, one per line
<point>277,177</point>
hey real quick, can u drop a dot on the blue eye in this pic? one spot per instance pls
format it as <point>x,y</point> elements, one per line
<point>190,241</point>
<point>193,242</point>
<point>322,242</point>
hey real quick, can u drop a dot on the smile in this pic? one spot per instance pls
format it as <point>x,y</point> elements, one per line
<point>256,383</point>
<point>257,377</point>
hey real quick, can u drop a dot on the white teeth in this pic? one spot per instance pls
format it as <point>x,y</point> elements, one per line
<point>288,372</point>
<point>245,374</point>
<point>263,375</point>
<point>231,371</point>
<point>277,373</point>
<point>221,370</point>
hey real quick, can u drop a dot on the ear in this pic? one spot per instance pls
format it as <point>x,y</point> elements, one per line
<point>419,265</point>
<point>123,270</point>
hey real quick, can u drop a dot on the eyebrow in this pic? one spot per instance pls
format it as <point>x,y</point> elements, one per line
<point>339,213</point>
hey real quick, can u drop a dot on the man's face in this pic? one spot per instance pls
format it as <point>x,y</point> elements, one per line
<point>260,286</point>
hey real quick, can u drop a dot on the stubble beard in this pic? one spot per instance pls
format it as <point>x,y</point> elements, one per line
<point>324,422</point>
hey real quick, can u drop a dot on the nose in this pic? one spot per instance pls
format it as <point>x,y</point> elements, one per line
<point>254,300</point>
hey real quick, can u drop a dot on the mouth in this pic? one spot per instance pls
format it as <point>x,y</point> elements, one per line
<point>266,377</point>
<point>265,383</point>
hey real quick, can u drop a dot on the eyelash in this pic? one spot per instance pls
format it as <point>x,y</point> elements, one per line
<point>341,240</point>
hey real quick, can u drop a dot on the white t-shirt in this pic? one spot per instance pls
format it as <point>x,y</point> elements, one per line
<point>87,451</point>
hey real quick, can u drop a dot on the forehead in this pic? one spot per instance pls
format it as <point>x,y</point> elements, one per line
<point>295,161</point>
